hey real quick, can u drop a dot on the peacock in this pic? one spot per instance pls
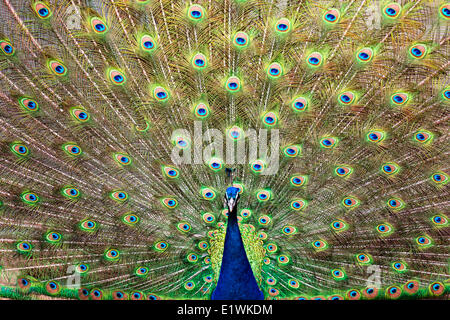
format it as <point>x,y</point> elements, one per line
<point>225,150</point>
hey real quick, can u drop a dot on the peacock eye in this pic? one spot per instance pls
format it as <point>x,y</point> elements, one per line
<point>196,13</point>
<point>99,26</point>
<point>315,59</point>
<point>418,51</point>
<point>241,40</point>
<point>331,16</point>
<point>283,26</point>
<point>392,11</point>
<point>42,10</point>
<point>199,61</point>
<point>299,104</point>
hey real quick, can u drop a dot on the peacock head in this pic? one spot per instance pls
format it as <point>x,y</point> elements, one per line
<point>231,198</point>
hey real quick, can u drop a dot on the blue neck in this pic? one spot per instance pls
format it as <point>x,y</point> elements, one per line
<point>236,279</point>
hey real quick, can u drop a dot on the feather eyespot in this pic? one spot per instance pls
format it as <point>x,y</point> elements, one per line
<point>20,149</point>
<point>257,166</point>
<point>24,247</point>
<point>80,114</point>
<point>336,297</point>
<point>29,104</point>
<point>161,246</point>
<point>72,149</point>
<point>147,44</point>
<point>283,26</point>
<point>439,178</point>
<point>399,267</point>
<point>96,294</point>
<point>363,258</point>
<point>331,16</point>
<point>208,218</point>
<point>436,288</point>
<point>24,283</point>
<point>376,136</point>
<point>199,61</point>
<point>423,136</point>
<point>160,94</point>
<point>399,98</point>
<point>393,292</point>
<point>241,40</point>
<point>319,245</point>
<point>71,193</point>
<point>392,10</point>
<point>444,11</point>
<point>120,196</point>
<point>152,296</point>
<point>169,203</point>
<point>298,204</point>
<point>292,151</point>
<point>184,227</point>
<point>339,225</point>
<point>170,172</point>
<point>439,220</point>
<point>328,142</point>
<point>83,293</point>
<point>353,294</point>
<point>293,283</point>
<point>201,110</point>
<point>235,133</point>
<point>112,255</point>
<point>298,180</point>
<point>300,104</point>
<point>390,169</point>
<point>271,247</point>
<point>384,229</point>
<point>203,245</point>
<point>30,198</point>
<point>215,164</point>
<point>338,274</point>
<point>347,98</point>
<point>82,268</point>
<point>274,70</point>
<point>53,237</point>
<point>119,295</point>
<point>424,241</point>
<point>192,257</point>
<point>233,84</point>
<point>141,271</point>
<point>122,159</point>
<point>395,203</point>
<point>418,51</point>
<point>411,287</point>
<point>7,48</point>
<point>196,13</point>
<point>315,59</point>
<point>350,202</point>
<point>52,287</point>
<point>208,194</point>
<point>289,230</point>
<point>246,213</point>
<point>42,10</point>
<point>283,259</point>
<point>270,119</point>
<point>370,292</point>
<point>264,220</point>
<point>364,55</point>
<point>189,285</point>
<point>99,26</point>
<point>116,77</point>
<point>88,225</point>
<point>57,67</point>
<point>264,195</point>
<point>343,171</point>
